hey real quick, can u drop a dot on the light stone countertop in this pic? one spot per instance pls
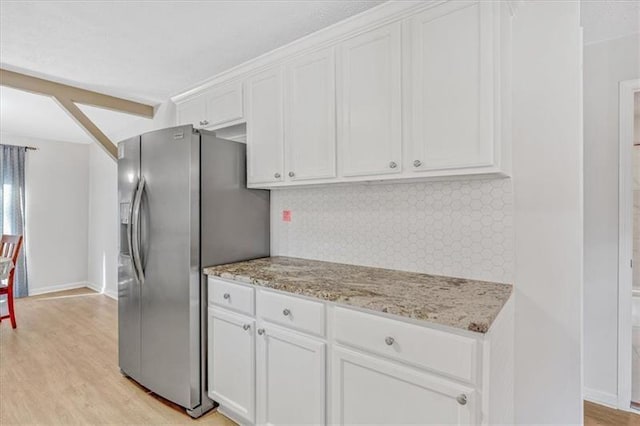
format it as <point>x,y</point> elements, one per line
<point>455,302</point>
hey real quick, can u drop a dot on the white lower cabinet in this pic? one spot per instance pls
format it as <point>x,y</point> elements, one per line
<point>370,390</point>
<point>291,378</point>
<point>231,362</point>
<point>285,367</point>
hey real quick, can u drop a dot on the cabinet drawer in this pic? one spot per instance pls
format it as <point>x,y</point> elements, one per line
<point>231,296</point>
<point>435,350</point>
<point>301,314</point>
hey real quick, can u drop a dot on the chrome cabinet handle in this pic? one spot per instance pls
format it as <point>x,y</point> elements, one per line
<point>389,340</point>
<point>462,399</point>
<point>286,312</point>
<point>291,174</point>
<point>204,122</point>
<point>393,165</point>
<point>277,175</point>
<point>246,327</point>
<point>417,163</point>
<point>226,296</point>
<point>261,331</point>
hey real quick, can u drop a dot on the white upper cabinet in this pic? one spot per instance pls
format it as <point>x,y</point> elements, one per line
<point>452,89</point>
<point>265,135</point>
<point>192,111</point>
<point>369,102</point>
<point>310,130</point>
<point>408,90</point>
<point>217,107</point>
<point>224,104</point>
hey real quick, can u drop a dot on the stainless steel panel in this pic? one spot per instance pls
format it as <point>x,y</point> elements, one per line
<point>235,220</point>
<point>170,352</point>
<point>128,286</point>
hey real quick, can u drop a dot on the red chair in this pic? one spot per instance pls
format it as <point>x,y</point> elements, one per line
<point>10,247</point>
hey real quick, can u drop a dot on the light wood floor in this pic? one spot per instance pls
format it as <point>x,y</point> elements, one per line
<point>597,415</point>
<point>60,366</point>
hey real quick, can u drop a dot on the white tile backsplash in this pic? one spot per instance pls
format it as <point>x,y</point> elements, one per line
<point>455,228</point>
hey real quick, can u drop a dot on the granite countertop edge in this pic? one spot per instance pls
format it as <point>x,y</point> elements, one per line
<point>459,303</point>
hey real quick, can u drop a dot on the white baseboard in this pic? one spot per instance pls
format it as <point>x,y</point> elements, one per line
<point>602,398</point>
<point>109,293</point>
<point>58,287</point>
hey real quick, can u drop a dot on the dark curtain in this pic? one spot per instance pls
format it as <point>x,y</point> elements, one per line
<point>12,201</point>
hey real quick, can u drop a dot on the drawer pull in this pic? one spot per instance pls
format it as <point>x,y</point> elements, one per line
<point>261,331</point>
<point>246,327</point>
<point>462,399</point>
<point>286,312</point>
<point>226,296</point>
<point>389,340</point>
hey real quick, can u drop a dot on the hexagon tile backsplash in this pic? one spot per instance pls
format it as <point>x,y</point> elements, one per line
<point>455,228</point>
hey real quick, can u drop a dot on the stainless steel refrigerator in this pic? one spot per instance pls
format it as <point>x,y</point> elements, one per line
<point>183,205</point>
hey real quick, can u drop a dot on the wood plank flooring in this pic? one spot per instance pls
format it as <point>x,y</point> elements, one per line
<point>597,415</point>
<point>60,366</point>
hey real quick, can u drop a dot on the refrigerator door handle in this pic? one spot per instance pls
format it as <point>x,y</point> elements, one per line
<point>129,231</point>
<point>137,261</point>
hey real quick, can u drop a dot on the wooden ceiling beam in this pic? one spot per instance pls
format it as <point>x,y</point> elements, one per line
<point>68,96</point>
<point>85,122</point>
<point>75,94</point>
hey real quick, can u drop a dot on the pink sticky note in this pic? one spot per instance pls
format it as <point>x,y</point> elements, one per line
<point>286,215</point>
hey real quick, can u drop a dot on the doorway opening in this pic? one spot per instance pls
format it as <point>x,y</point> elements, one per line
<point>635,271</point>
<point>629,247</point>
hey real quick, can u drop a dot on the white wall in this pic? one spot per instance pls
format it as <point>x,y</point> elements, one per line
<point>548,206</point>
<point>165,116</point>
<point>456,228</point>
<point>103,222</point>
<point>57,193</point>
<point>605,65</point>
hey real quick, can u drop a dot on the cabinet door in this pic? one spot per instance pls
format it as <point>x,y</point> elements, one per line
<point>452,86</point>
<point>265,127</point>
<point>224,104</point>
<point>369,390</point>
<point>231,362</point>
<point>191,112</point>
<point>310,131</point>
<point>369,103</point>
<point>291,378</point>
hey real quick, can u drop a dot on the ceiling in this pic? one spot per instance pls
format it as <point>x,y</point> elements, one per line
<point>144,51</point>
<point>152,50</point>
